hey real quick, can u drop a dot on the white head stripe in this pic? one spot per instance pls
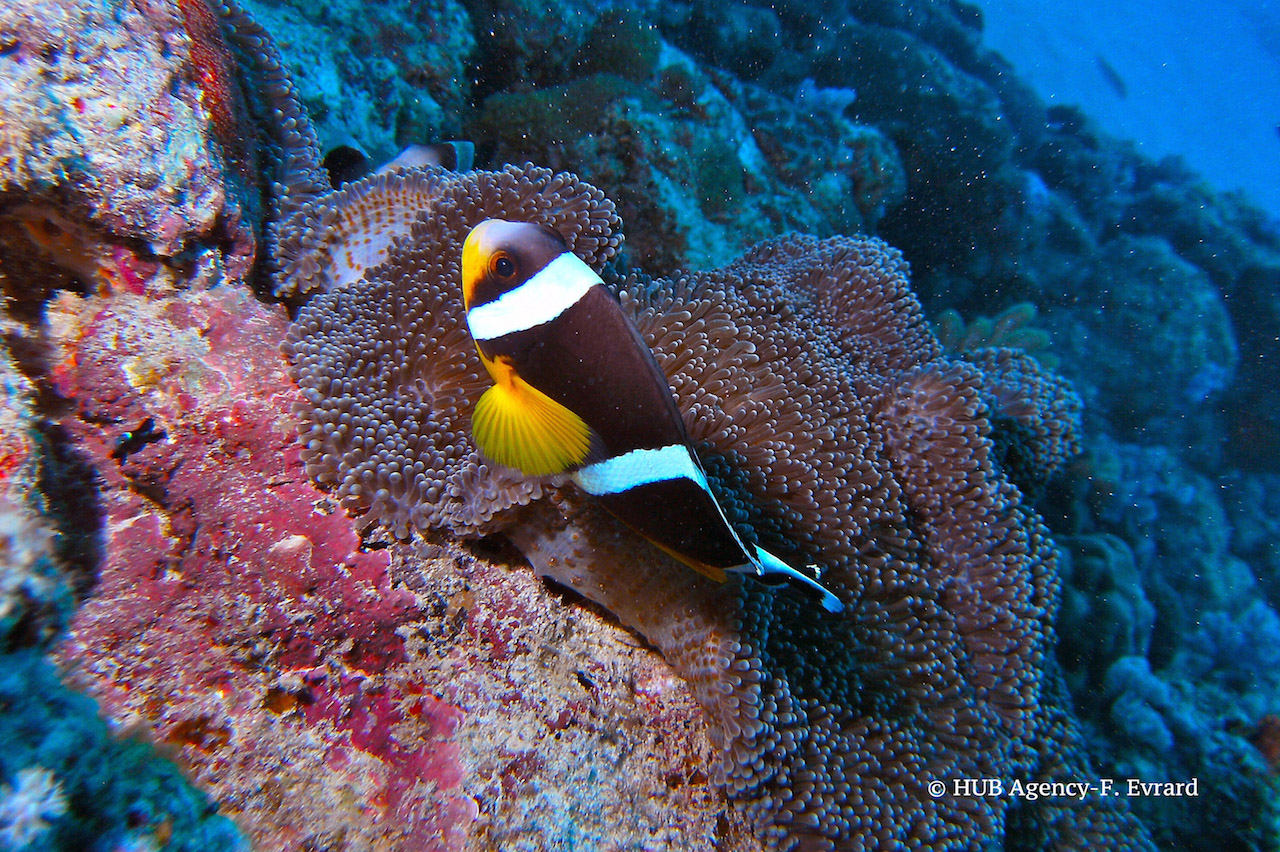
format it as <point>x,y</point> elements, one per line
<point>553,290</point>
<point>640,467</point>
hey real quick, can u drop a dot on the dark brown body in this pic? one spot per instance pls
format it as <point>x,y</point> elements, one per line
<point>594,362</point>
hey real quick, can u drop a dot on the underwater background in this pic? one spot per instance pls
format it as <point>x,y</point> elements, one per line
<point>217,635</point>
<point>1189,79</point>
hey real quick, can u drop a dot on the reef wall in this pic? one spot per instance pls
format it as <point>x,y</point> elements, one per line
<point>327,683</point>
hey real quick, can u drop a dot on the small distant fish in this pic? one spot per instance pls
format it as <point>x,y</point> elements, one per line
<point>347,163</point>
<point>577,390</point>
<point>1112,76</point>
<point>455,156</point>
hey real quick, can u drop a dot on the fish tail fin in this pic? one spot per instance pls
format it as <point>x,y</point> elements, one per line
<point>519,426</point>
<point>765,564</point>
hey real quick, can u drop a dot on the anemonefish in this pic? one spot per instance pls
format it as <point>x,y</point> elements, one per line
<point>347,163</point>
<point>454,156</point>
<point>577,390</point>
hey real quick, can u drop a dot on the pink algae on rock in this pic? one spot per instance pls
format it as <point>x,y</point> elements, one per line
<point>223,573</point>
<point>328,693</point>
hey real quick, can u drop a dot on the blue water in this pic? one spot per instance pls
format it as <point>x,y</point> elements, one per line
<point>1195,78</point>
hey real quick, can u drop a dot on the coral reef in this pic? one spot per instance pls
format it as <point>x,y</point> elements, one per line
<point>1172,395</point>
<point>150,151</point>
<point>701,128</point>
<point>96,787</point>
<point>1252,505</point>
<point>703,164</point>
<point>535,42</point>
<point>1177,672</point>
<point>391,699</point>
<point>381,80</point>
<point>307,688</point>
<point>119,150</point>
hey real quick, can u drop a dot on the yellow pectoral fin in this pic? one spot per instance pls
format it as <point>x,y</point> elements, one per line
<point>517,425</point>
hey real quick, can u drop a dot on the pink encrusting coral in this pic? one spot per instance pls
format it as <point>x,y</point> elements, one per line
<point>393,698</point>
<point>225,577</point>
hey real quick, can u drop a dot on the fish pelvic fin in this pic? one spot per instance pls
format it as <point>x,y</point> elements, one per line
<point>714,573</point>
<point>763,563</point>
<point>519,426</point>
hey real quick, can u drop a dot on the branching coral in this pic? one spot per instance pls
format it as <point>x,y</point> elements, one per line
<point>831,424</point>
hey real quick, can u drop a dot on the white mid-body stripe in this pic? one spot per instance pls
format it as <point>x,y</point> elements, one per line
<point>675,461</point>
<point>558,286</point>
<point>640,467</point>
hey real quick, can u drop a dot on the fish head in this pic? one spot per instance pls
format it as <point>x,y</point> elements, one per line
<point>498,256</point>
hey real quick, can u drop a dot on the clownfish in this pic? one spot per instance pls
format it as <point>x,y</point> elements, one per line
<point>577,390</point>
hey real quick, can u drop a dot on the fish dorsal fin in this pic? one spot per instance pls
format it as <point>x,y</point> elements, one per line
<point>517,425</point>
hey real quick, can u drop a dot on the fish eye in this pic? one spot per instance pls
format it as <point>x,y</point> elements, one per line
<point>503,266</point>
